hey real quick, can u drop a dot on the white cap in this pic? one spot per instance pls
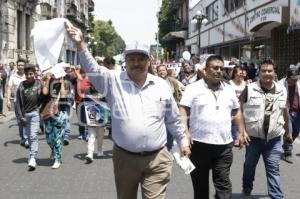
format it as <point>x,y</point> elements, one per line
<point>137,48</point>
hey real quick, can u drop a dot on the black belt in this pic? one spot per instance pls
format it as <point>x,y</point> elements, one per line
<point>142,153</point>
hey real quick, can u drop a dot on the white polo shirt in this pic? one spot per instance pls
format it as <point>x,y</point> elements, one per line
<point>210,113</point>
<point>14,82</point>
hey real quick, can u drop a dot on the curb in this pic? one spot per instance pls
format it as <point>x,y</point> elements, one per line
<point>9,116</point>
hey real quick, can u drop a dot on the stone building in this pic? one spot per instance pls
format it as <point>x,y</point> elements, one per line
<point>16,21</point>
<point>18,17</point>
<point>77,11</point>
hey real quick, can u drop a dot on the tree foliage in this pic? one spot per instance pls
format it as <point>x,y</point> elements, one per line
<point>109,42</point>
<point>166,21</point>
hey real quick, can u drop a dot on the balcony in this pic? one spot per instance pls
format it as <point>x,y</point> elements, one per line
<point>33,1</point>
<point>174,5</point>
<point>71,10</point>
<point>81,18</point>
<point>46,9</point>
<point>78,17</point>
<point>180,25</point>
<point>91,6</point>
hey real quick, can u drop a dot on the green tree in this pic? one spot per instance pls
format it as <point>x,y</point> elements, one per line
<point>109,42</point>
<point>166,22</point>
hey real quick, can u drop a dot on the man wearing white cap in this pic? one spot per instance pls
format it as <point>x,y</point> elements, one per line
<point>141,109</point>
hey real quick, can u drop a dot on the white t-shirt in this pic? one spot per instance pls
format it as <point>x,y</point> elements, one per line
<point>210,114</point>
<point>14,82</point>
<point>238,88</point>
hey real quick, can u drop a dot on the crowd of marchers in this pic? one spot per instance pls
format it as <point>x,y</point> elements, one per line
<point>205,108</point>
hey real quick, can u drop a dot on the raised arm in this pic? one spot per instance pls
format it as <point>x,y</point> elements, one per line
<point>98,75</point>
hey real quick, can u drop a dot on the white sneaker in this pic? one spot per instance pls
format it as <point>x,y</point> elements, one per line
<point>32,164</point>
<point>56,164</point>
<point>89,158</point>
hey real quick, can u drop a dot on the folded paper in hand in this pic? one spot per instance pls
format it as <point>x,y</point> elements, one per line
<point>184,162</point>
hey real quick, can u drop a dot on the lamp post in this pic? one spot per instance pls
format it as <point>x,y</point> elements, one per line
<point>199,19</point>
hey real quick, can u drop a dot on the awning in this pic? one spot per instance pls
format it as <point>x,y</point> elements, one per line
<point>175,35</point>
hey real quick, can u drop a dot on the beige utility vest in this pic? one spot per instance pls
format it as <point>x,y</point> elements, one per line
<point>254,111</point>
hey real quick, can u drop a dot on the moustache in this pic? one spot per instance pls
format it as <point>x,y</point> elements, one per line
<point>136,66</point>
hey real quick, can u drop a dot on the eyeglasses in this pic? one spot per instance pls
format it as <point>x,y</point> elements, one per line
<point>216,67</point>
<point>138,59</point>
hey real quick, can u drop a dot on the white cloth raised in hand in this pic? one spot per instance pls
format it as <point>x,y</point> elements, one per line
<point>48,40</point>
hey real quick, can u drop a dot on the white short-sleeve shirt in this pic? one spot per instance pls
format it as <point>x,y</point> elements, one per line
<point>210,113</point>
<point>14,82</point>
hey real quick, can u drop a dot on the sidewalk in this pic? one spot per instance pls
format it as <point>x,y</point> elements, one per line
<point>9,115</point>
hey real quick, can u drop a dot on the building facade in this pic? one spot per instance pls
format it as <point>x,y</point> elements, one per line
<point>16,21</point>
<point>18,17</point>
<point>77,11</point>
<point>178,34</point>
<point>249,30</point>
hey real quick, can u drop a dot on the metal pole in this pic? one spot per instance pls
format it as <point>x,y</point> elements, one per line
<point>199,42</point>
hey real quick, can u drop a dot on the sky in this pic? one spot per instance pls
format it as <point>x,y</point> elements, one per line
<point>134,20</point>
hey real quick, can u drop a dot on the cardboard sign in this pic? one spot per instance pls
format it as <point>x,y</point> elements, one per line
<point>97,113</point>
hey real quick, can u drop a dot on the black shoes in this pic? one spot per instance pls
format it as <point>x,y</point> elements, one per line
<point>66,142</point>
<point>288,158</point>
<point>246,194</point>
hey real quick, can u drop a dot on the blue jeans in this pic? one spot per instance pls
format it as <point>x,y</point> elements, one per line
<point>31,130</point>
<point>271,151</point>
<point>1,98</point>
<point>67,112</point>
<point>22,134</point>
<point>295,122</point>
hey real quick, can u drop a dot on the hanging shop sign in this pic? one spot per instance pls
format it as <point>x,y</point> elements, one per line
<point>263,15</point>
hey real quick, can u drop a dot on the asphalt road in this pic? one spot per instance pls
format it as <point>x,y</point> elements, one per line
<point>75,179</point>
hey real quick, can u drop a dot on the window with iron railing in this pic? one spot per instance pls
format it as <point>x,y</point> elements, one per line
<point>231,5</point>
<point>19,29</point>
<point>212,11</point>
<point>27,31</point>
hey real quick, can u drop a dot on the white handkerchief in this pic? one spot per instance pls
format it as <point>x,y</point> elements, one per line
<point>48,40</point>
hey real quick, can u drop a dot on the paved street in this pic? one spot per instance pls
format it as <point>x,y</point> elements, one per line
<point>77,180</point>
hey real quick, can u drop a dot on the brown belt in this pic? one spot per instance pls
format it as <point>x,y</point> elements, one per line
<point>142,153</point>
